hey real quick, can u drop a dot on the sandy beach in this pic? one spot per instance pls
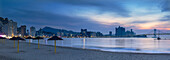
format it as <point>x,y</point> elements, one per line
<point>7,52</point>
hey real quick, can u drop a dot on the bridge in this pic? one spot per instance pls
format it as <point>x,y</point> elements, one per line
<point>156,32</point>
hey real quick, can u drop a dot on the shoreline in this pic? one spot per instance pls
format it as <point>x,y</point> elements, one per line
<point>103,51</point>
<point>46,52</point>
<point>113,37</point>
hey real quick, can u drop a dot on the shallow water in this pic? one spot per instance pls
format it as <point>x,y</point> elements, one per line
<point>139,45</point>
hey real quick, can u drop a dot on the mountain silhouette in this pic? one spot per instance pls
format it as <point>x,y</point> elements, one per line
<point>54,30</point>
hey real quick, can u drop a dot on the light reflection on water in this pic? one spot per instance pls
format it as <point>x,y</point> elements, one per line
<point>144,45</point>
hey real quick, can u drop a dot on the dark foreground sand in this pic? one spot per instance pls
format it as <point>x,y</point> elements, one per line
<point>7,52</point>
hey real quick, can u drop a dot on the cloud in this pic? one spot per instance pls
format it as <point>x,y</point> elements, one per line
<point>53,12</point>
<point>41,19</point>
<point>166,6</point>
<point>140,21</point>
<point>165,18</point>
<point>101,6</point>
<point>99,15</point>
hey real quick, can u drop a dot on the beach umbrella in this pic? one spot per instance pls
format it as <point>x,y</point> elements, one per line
<point>17,38</point>
<point>55,38</point>
<point>29,39</point>
<point>38,40</point>
<point>13,38</point>
<point>2,38</point>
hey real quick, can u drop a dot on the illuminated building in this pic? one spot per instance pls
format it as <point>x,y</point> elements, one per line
<point>8,27</point>
<point>32,31</point>
<point>23,30</point>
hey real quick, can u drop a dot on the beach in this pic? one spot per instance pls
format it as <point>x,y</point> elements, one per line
<point>46,52</point>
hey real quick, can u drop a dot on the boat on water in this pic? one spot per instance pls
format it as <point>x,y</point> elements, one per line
<point>158,38</point>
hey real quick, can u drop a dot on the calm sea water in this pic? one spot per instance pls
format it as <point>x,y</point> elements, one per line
<point>139,45</point>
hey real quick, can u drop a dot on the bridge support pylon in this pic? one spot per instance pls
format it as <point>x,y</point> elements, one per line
<point>155,30</point>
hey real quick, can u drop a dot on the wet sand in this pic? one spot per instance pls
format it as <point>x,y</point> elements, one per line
<point>46,52</point>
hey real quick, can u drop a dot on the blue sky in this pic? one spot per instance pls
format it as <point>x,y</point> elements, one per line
<point>95,15</point>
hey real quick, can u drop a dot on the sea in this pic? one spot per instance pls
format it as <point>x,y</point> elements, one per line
<point>133,45</point>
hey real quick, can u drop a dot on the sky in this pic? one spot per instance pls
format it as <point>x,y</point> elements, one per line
<point>95,15</point>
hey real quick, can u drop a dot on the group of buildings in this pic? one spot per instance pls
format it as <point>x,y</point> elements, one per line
<point>85,33</point>
<point>22,31</point>
<point>10,28</point>
<point>48,31</point>
<point>120,31</point>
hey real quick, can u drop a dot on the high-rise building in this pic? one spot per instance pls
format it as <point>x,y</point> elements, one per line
<point>27,33</point>
<point>39,32</point>
<point>32,31</point>
<point>83,32</point>
<point>120,31</point>
<point>99,34</point>
<point>8,27</point>
<point>91,34</point>
<point>23,30</point>
<point>13,26</point>
<point>19,31</point>
<point>110,33</point>
<point>1,25</point>
<point>130,33</point>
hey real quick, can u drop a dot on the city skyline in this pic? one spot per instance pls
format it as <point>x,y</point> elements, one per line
<point>9,28</point>
<point>141,16</point>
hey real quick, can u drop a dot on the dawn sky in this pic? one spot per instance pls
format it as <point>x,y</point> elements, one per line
<point>95,15</point>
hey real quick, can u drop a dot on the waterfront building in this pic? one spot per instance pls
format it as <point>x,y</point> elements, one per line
<point>27,33</point>
<point>1,25</point>
<point>110,33</point>
<point>23,30</point>
<point>130,33</point>
<point>8,27</point>
<point>83,33</point>
<point>91,34</point>
<point>99,34</point>
<point>32,31</point>
<point>19,31</point>
<point>12,28</point>
<point>39,32</point>
<point>58,33</point>
<point>120,31</point>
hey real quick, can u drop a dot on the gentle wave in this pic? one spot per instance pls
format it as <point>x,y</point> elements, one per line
<point>135,45</point>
